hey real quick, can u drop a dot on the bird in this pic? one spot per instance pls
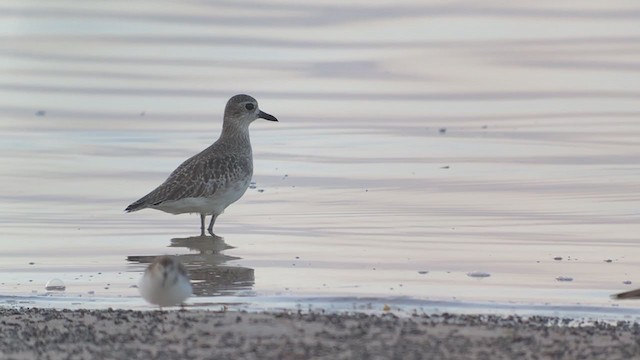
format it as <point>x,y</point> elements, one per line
<point>165,282</point>
<point>627,295</point>
<point>210,181</point>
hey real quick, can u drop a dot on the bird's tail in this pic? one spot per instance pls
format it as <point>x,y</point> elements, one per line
<point>633,294</point>
<point>138,205</point>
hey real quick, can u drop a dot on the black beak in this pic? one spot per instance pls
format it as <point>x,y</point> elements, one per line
<point>266,116</point>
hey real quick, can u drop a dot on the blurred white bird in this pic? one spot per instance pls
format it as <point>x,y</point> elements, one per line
<point>165,282</point>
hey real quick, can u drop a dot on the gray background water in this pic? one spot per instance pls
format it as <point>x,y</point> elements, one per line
<point>414,137</point>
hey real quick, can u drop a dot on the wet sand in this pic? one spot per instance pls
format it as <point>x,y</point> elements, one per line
<point>40,333</point>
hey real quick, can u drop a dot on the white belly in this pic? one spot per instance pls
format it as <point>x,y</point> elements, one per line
<point>213,205</point>
<point>155,292</point>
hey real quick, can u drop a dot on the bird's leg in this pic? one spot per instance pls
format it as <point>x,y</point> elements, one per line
<point>202,217</point>
<point>213,220</point>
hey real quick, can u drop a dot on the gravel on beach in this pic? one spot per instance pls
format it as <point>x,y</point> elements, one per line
<point>126,334</point>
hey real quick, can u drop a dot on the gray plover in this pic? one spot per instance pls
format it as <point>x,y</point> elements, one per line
<point>216,177</point>
<point>165,282</point>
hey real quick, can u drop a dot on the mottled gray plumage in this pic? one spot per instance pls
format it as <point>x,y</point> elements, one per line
<point>216,177</point>
<point>200,176</point>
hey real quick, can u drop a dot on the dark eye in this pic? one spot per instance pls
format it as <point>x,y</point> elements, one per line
<point>249,106</point>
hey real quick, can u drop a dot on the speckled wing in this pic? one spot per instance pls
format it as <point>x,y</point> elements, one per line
<point>200,176</point>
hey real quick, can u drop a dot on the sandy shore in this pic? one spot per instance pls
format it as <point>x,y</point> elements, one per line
<point>122,334</point>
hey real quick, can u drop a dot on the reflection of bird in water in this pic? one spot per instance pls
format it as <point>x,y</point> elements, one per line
<point>632,294</point>
<point>203,244</point>
<point>207,269</point>
<point>165,282</point>
<point>216,177</point>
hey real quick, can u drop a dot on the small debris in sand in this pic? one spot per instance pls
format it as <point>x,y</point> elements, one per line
<point>478,274</point>
<point>608,261</point>
<point>442,130</point>
<point>557,258</point>
<point>41,113</point>
<point>260,190</point>
<point>445,167</point>
<point>32,263</point>
<point>422,272</point>
<point>627,282</point>
<point>564,278</point>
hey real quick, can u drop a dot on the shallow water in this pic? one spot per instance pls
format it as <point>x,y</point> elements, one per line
<point>417,143</point>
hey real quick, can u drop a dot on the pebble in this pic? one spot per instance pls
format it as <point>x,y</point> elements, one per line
<point>55,284</point>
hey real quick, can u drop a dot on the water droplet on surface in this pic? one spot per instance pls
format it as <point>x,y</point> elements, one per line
<point>55,285</point>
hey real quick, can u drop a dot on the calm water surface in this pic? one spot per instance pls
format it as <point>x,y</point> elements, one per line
<point>418,142</point>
